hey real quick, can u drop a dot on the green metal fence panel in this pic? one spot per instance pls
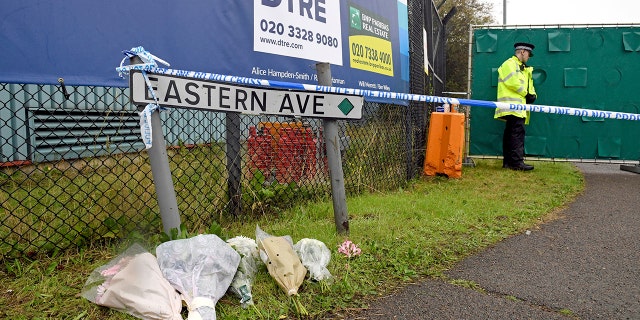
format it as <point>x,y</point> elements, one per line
<point>13,128</point>
<point>190,128</point>
<point>590,67</point>
<point>38,124</point>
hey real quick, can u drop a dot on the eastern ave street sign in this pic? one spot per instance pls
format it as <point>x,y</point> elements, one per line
<point>174,91</point>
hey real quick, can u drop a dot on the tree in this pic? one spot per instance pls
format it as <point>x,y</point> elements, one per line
<point>469,12</point>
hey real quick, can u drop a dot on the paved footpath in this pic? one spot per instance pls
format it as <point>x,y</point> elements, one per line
<point>585,265</point>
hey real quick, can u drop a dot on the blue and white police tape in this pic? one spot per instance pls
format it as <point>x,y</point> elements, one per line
<point>148,62</point>
<point>145,115</point>
<point>570,111</point>
<point>579,112</point>
<point>146,129</point>
<point>394,95</point>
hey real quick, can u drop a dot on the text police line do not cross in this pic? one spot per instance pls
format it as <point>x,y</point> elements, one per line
<point>174,91</point>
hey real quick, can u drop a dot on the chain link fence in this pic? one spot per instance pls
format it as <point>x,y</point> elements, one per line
<point>73,169</point>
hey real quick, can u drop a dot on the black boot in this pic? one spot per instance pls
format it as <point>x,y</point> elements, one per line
<point>520,167</point>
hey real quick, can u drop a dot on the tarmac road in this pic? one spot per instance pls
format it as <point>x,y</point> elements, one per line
<point>585,265</point>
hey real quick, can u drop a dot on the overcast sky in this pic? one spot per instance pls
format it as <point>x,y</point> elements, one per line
<point>530,12</point>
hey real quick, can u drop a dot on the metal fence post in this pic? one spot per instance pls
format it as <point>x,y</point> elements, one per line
<point>161,172</point>
<point>234,169</point>
<point>334,159</point>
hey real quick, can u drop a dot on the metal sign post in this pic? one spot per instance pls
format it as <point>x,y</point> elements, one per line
<point>332,142</point>
<point>160,170</point>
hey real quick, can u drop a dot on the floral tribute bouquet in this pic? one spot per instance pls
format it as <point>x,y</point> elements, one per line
<point>247,269</point>
<point>132,283</point>
<point>283,265</point>
<point>315,256</point>
<point>201,268</point>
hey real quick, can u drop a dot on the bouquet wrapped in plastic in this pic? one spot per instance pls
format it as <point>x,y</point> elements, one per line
<point>247,269</point>
<point>315,256</point>
<point>133,283</point>
<point>201,269</point>
<point>283,264</point>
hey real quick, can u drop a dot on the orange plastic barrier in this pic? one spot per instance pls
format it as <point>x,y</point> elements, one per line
<point>445,144</point>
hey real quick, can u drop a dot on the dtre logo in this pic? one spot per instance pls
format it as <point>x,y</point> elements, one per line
<point>312,9</point>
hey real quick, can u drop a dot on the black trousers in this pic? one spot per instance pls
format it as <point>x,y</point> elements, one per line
<point>513,141</point>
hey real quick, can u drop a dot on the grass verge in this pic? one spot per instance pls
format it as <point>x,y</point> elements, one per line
<point>404,235</point>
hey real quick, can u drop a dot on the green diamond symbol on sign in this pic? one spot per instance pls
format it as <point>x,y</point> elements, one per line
<point>345,106</point>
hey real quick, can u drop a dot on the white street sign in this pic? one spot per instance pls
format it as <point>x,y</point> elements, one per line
<point>173,91</point>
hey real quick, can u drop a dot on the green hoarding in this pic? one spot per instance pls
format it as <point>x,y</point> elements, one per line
<point>589,67</point>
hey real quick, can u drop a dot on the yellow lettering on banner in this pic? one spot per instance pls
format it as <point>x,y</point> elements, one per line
<point>371,54</point>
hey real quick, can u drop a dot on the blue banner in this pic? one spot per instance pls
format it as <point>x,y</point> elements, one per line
<point>82,41</point>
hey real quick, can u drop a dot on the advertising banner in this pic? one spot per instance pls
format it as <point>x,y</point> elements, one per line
<point>365,41</point>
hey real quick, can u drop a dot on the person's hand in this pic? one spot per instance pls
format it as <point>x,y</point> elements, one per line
<point>531,98</point>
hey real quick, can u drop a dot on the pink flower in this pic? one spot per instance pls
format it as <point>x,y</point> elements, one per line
<point>110,272</point>
<point>100,290</point>
<point>349,249</point>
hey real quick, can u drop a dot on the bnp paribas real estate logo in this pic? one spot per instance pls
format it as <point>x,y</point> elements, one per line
<point>356,20</point>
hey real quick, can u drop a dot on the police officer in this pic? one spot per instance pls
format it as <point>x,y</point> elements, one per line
<point>515,85</point>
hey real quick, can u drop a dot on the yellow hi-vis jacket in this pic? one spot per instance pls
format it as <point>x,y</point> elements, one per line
<point>513,85</point>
